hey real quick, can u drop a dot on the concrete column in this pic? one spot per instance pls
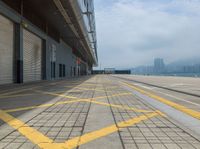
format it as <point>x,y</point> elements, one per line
<point>44,62</point>
<point>18,62</point>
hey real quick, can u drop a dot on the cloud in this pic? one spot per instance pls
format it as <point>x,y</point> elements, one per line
<point>134,32</point>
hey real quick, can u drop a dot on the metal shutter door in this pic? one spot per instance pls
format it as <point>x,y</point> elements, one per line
<point>6,50</point>
<point>32,46</point>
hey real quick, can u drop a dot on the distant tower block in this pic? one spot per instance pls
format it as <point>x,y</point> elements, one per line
<point>159,65</point>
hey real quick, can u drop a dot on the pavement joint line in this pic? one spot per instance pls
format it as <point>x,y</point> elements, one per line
<point>179,107</point>
<point>46,143</point>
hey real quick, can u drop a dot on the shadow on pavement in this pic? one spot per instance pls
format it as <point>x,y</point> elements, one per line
<point>24,95</point>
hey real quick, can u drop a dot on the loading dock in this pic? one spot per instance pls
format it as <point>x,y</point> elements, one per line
<point>32,55</point>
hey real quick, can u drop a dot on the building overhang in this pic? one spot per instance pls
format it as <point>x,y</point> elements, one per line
<point>61,18</point>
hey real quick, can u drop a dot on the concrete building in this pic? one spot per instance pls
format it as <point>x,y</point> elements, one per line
<point>46,39</point>
<point>159,66</point>
<point>109,70</point>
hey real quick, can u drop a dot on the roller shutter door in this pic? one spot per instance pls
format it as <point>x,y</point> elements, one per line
<point>6,50</point>
<point>32,54</point>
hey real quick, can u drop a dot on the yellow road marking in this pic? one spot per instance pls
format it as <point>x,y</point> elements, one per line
<point>18,91</point>
<point>179,107</point>
<point>93,85</point>
<point>83,88</point>
<point>91,89</point>
<point>77,141</point>
<point>98,84</point>
<point>15,96</point>
<point>43,106</point>
<point>86,88</point>
<point>70,86</point>
<point>120,106</point>
<point>46,143</point>
<point>72,97</point>
<point>50,93</point>
<point>114,95</point>
<point>60,103</point>
<point>24,129</point>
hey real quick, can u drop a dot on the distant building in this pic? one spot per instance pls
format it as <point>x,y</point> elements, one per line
<point>159,68</point>
<point>159,65</point>
<point>145,70</point>
<point>109,70</point>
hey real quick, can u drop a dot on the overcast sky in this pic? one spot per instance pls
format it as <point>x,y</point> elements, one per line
<point>133,32</point>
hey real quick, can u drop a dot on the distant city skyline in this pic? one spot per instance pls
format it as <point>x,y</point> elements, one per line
<point>161,68</point>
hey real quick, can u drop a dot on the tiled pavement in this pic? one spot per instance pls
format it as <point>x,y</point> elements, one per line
<point>91,112</point>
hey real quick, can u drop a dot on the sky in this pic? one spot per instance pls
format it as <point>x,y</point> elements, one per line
<point>132,33</point>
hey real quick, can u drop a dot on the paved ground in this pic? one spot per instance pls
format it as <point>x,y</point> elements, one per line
<point>96,112</point>
<point>185,84</point>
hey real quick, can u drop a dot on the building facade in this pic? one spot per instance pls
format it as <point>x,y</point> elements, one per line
<point>159,65</point>
<point>46,40</point>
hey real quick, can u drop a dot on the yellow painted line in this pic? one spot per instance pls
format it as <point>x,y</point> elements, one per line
<point>11,96</point>
<point>70,86</point>
<point>43,106</point>
<point>91,89</point>
<point>81,87</point>
<point>114,95</point>
<point>77,141</point>
<point>18,91</point>
<point>72,97</point>
<point>63,102</point>
<point>100,84</point>
<point>120,107</point>
<point>46,143</point>
<point>112,87</point>
<point>90,84</point>
<point>179,107</point>
<point>30,133</point>
<point>54,94</point>
<point>100,88</point>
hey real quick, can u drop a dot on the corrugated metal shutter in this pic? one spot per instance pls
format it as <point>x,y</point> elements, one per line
<point>6,50</point>
<point>32,55</point>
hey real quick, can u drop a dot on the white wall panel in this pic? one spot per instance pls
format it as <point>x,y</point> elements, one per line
<point>32,54</point>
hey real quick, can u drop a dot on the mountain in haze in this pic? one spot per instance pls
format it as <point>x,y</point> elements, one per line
<point>185,62</point>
